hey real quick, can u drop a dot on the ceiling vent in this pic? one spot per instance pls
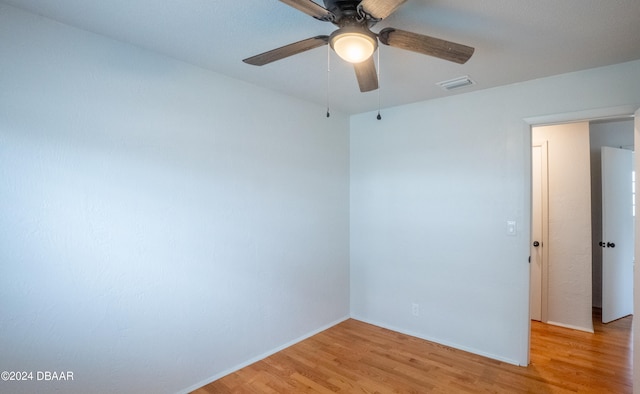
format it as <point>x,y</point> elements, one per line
<point>456,83</point>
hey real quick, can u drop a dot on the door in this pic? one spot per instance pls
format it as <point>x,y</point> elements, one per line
<point>617,233</point>
<point>537,287</point>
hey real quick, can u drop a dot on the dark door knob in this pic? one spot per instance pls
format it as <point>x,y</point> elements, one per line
<point>601,244</point>
<point>536,244</point>
<point>611,245</point>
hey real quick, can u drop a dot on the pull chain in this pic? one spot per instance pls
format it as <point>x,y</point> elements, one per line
<point>328,73</point>
<point>379,117</point>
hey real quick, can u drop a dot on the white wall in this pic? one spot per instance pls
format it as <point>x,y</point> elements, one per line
<point>616,133</point>
<point>432,187</point>
<point>159,224</point>
<point>569,224</point>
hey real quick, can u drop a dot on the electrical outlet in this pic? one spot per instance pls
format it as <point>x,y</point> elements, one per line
<point>415,309</point>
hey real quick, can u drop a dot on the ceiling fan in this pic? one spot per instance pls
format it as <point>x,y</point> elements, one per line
<point>354,41</point>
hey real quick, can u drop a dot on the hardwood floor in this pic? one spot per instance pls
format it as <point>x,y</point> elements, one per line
<point>355,357</point>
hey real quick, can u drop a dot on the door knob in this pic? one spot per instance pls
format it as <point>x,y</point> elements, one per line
<point>601,244</point>
<point>611,245</point>
<point>536,244</point>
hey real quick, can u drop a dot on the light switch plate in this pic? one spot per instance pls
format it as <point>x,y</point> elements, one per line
<point>512,227</point>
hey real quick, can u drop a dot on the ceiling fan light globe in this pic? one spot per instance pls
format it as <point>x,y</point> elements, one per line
<point>353,47</point>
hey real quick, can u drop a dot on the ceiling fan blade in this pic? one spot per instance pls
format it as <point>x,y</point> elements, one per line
<point>367,75</point>
<point>311,8</point>
<point>426,45</point>
<point>287,50</point>
<point>380,9</point>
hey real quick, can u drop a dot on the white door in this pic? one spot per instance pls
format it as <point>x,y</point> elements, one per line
<point>617,234</point>
<point>537,290</point>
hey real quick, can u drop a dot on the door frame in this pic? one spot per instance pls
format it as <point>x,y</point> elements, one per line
<point>559,118</point>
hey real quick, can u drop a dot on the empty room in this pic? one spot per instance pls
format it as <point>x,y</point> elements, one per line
<point>219,196</point>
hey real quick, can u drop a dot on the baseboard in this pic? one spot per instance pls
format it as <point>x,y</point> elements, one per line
<point>553,323</point>
<point>439,341</point>
<point>261,357</point>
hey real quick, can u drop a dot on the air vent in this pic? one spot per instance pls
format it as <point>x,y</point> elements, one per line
<point>456,83</point>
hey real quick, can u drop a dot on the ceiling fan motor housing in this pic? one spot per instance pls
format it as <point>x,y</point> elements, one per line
<point>348,11</point>
<point>341,8</point>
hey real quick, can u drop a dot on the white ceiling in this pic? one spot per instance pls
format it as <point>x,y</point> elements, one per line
<point>515,40</point>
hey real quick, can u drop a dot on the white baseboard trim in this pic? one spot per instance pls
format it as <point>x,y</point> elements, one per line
<point>261,356</point>
<point>439,341</point>
<point>553,323</point>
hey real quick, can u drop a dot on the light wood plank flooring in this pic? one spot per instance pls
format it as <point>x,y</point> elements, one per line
<point>355,357</point>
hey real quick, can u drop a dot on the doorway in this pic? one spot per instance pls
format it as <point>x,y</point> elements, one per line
<point>598,114</point>
<point>569,172</point>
